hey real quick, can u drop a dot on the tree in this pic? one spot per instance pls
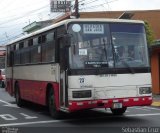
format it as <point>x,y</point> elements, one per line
<point>149,33</point>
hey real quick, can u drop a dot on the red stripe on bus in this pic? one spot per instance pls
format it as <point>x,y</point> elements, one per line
<point>143,101</point>
<point>34,91</point>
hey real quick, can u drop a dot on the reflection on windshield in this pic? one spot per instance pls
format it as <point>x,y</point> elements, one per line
<point>107,46</point>
<point>130,50</point>
<point>90,48</point>
<point>90,55</point>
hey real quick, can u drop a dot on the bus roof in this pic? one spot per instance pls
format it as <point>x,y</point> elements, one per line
<point>74,20</point>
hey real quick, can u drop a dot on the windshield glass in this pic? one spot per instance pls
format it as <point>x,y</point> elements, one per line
<point>129,44</point>
<point>112,45</point>
<point>90,46</point>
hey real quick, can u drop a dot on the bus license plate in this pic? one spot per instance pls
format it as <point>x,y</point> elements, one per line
<point>117,105</point>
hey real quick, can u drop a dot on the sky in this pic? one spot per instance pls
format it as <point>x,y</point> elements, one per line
<point>16,14</point>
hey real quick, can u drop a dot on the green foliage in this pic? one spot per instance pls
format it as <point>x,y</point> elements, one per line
<point>149,33</point>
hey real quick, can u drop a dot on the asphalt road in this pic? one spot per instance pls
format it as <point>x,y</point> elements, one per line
<point>35,117</point>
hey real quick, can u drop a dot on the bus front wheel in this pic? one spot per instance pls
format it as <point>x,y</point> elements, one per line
<point>19,101</point>
<point>52,105</point>
<point>120,111</point>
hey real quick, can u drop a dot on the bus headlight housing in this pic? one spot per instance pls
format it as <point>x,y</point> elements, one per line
<point>82,94</point>
<point>144,90</point>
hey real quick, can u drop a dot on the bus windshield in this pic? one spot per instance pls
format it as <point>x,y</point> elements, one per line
<point>102,45</point>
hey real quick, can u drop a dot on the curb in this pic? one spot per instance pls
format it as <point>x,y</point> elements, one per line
<point>156,103</point>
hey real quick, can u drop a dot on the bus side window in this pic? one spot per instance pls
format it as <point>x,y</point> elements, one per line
<point>21,45</point>
<point>43,39</point>
<point>35,50</point>
<point>30,42</point>
<point>35,54</point>
<point>17,54</point>
<point>35,41</point>
<point>25,54</point>
<point>48,48</point>
<point>9,56</point>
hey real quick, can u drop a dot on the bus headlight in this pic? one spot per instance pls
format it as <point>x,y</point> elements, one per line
<point>82,94</point>
<point>144,90</point>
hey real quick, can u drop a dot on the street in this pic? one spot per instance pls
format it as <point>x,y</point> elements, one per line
<point>33,115</point>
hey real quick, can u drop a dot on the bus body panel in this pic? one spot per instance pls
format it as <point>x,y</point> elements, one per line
<point>45,72</point>
<point>34,91</point>
<point>110,80</point>
<point>33,81</point>
<point>110,87</point>
<point>107,89</point>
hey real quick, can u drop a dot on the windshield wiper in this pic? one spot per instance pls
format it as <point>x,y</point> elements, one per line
<point>127,65</point>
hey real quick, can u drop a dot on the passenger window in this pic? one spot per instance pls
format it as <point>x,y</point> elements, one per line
<point>35,41</point>
<point>35,54</point>
<point>21,45</point>
<point>43,38</point>
<point>48,49</point>
<point>50,37</point>
<point>30,42</point>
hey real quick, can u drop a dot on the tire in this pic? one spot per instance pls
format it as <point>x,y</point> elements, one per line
<point>120,111</point>
<point>52,105</point>
<point>19,101</point>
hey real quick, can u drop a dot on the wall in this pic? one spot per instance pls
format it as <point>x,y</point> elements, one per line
<point>155,71</point>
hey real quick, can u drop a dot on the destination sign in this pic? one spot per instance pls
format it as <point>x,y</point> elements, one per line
<point>93,28</point>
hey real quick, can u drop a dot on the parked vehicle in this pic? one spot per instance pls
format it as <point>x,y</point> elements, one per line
<point>2,78</point>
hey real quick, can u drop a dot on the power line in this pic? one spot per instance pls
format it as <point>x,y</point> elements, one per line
<point>32,11</point>
<point>6,4</point>
<point>28,5</point>
<point>94,6</point>
<point>89,2</point>
<point>10,38</point>
<point>59,14</point>
<point>90,7</point>
<point>24,15</point>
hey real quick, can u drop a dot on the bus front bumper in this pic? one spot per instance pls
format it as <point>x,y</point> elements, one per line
<point>108,103</point>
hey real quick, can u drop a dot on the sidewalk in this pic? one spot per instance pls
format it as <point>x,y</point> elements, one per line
<point>156,100</point>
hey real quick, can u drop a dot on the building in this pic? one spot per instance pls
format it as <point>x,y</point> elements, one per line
<point>36,26</point>
<point>155,68</point>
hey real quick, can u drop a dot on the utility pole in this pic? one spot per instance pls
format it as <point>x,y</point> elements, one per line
<point>77,9</point>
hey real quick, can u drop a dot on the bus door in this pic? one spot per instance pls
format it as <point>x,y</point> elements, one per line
<point>63,54</point>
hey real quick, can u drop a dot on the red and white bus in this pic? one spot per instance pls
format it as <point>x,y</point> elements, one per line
<point>81,64</point>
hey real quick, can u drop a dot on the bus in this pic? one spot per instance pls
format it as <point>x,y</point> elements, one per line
<point>80,64</point>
